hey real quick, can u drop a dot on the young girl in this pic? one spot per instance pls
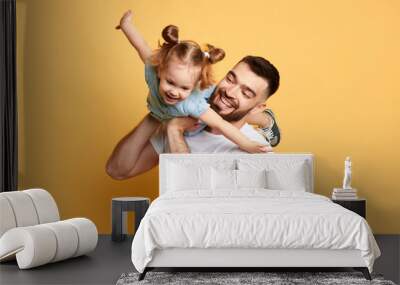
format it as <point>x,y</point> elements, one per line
<point>179,78</point>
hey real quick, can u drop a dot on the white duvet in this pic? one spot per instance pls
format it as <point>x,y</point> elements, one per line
<point>252,218</point>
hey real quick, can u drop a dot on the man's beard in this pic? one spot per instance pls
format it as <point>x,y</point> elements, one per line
<point>234,116</point>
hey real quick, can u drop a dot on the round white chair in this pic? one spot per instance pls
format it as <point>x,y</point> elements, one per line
<point>31,231</point>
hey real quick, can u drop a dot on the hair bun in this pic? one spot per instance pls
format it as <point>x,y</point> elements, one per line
<point>171,34</point>
<point>216,54</point>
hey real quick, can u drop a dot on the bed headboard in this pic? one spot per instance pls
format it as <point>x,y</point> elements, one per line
<point>232,161</point>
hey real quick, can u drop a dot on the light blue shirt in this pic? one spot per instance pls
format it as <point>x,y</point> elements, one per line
<point>193,106</point>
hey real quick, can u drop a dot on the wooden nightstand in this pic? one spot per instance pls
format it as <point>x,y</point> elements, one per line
<point>358,206</point>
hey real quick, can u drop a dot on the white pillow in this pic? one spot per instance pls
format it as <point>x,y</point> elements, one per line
<point>227,179</point>
<point>293,179</point>
<point>223,179</point>
<point>251,178</point>
<point>281,174</point>
<point>183,177</point>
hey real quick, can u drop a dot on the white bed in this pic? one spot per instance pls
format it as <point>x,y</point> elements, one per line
<point>247,210</point>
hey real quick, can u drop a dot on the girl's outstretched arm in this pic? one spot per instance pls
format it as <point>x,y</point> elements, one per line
<point>213,120</point>
<point>134,37</point>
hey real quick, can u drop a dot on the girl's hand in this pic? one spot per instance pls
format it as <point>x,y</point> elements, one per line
<point>126,19</point>
<point>255,147</point>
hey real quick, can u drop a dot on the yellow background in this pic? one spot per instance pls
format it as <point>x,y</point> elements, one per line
<point>81,88</point>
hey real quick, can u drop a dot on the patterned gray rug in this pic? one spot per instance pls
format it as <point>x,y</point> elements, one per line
<point>270,278</point>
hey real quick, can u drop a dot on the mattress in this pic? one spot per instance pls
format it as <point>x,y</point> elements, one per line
<point>251,219</point>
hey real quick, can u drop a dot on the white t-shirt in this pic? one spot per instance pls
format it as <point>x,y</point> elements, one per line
<point>206,142</point>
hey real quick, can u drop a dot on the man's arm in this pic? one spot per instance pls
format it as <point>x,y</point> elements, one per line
<point>147,160</point>
<point>134,154</point>
<point>134,37</point>
<point>175,130</point>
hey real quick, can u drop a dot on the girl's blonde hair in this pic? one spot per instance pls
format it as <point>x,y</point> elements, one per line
<point>188,52</point>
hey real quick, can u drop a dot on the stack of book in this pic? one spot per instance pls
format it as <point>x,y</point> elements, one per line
<point>344,194</point>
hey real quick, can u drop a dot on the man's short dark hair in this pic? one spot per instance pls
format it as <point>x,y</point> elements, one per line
<point>264,69</point>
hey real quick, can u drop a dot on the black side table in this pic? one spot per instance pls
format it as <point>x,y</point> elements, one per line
<point>122,205</point>
<point>356,205</point>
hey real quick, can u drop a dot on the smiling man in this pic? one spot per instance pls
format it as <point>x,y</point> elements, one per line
<point>238,97</point>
